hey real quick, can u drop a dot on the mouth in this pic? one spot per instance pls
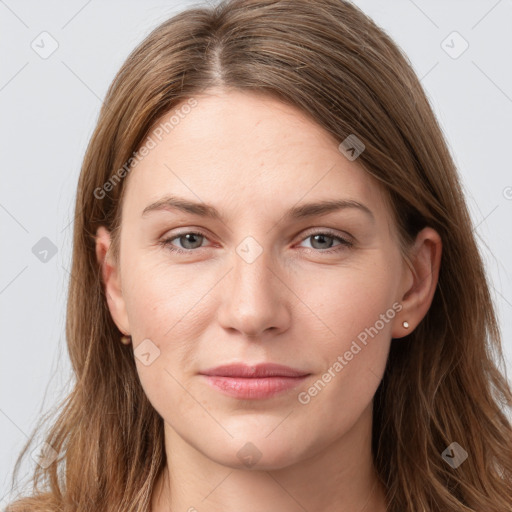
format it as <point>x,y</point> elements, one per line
<point>253,381</point>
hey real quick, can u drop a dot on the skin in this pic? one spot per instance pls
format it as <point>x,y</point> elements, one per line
<point>253,158</point>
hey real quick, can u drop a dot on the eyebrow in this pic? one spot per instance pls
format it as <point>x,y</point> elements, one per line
<point>296,213</point>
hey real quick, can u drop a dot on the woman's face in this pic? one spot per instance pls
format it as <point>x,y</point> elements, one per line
<point>265,280</point>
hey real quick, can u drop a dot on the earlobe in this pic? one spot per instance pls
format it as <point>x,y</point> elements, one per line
<point>111,280</point>
<point>420,281</point>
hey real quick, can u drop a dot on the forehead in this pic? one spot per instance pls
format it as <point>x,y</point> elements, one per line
<point>246,151</point>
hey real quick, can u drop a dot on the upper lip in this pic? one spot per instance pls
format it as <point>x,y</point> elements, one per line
<point>254,371</point>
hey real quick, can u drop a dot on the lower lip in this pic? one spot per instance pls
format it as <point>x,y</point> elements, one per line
<point>253,388</point>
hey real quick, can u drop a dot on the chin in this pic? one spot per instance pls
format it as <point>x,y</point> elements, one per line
<point>258,453</point>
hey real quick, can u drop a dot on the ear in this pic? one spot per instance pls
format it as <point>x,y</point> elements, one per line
<point>419,281</point>
<point>111,280</point>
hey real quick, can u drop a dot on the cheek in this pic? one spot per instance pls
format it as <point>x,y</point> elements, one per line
<point>171,305</point>
<point>354,364</point>
<point>161,312</point>
<point>350,299</point>
<point>358,306</point>
<point>161,298</point>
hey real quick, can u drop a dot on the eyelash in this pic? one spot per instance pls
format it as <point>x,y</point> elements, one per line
<point>344,243</point>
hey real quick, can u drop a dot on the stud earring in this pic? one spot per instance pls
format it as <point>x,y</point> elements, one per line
<point>405,324</point>
<point>126,340</point>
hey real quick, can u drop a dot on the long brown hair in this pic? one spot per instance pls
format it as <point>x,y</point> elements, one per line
<point>442,383</point>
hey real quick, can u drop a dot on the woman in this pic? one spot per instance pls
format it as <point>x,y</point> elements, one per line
<point>260,369</point>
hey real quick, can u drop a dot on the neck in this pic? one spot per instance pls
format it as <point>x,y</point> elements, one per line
<point>341,478</point>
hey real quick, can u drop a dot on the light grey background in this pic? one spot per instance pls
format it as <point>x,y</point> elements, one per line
<point>49,108</point>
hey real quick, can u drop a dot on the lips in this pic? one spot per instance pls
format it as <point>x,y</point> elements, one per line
<point>254,371</point>
<point>258,381</point>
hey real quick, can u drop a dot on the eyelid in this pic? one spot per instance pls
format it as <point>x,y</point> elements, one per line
<point>347,241</point>
<point>328,231</point>
<point>308,232</point>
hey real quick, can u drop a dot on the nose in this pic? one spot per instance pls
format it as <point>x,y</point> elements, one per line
<point>254,298</point>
